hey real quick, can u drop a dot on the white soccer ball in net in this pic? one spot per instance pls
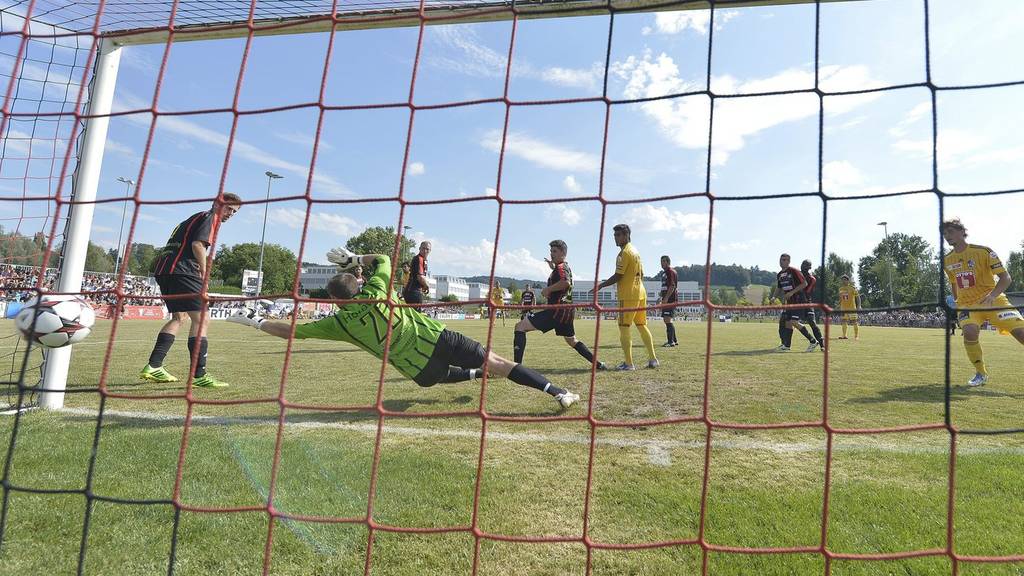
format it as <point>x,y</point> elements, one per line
<point>56,321</point>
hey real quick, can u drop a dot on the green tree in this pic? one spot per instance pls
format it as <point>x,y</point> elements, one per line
<point>914,268</point>
<point>724,297</point>
<point>381,240</point>
<point>1015,266</point>
<point>18,249</point>
<point>279,265</point>
<point>827,290</point>
<point>517,294</point>
<point>449,298</point>
<point>98,260</point>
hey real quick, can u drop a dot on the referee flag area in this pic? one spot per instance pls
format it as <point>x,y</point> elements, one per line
<point>440,152</point>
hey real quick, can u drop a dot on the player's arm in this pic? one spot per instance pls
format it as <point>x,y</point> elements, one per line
<point>613,279</point>
<point>799,287</point>
<point>1000,287</point>
<point>199,250</point>
<point>671,292</point>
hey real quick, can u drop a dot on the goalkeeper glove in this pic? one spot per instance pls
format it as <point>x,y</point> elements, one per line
<point>246,317</point>
<point>950,301</point>
<point>344,258</point>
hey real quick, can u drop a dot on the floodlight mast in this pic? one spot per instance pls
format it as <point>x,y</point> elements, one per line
<point>86,181</point>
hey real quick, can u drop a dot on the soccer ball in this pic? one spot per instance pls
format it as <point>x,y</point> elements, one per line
<point>59,320</point>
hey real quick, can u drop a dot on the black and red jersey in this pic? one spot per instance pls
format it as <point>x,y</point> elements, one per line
<point>669,281</point>
<point>177,257</point>
<point>809,289</point>
<point>527,298</point>
<point>559,273</point>
<point>787,281</point>
<point>417,268</point>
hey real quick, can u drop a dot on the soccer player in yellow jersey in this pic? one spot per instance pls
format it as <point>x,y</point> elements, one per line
<point>973,271</point>
<point>629,281</point>
<point>849,302</point>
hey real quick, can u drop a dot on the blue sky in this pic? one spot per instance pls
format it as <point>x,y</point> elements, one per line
<point>873,143</point>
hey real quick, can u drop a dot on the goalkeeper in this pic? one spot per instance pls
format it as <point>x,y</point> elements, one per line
<point>421,349</point>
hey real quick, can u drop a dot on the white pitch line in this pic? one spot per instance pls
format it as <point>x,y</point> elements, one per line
<point>658,451</point>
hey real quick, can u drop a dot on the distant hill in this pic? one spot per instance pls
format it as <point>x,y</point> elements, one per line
<point>505,281</point>
<point>732,275</point>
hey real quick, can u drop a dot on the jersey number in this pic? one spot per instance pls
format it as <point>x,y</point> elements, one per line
<point>965,280</point>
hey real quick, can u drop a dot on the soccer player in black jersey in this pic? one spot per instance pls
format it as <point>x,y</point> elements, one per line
<point>809,316</point>
<point>558,291</point>
<point>179,270</point>
<point>527,299</point>
<point>789,285</point>
<point>416,283</point>
<point>669,295</point>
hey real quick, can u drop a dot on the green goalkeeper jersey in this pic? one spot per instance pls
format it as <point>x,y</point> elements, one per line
<point>413,334</point>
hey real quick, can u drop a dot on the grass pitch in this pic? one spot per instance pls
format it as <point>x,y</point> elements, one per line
<point>766,487</point>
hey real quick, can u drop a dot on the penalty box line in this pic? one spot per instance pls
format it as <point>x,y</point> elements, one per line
<point>658,451</point>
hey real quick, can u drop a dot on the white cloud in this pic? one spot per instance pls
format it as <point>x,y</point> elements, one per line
<point>304,139</point>
<point>117,208</point>
<point>660,219</point>
<point>572,185</point>
<point>563,213</point>
<point>684,121</point>
<point>915,114</point>
<point>198,133</point>
<point>955,148</point>
<point>138,58</point>
<point>541,153</point>
<point>416,168</point>
<point>295,218</point>
<point>474,259</point>
<point>839,175</point>
<point>589,78</point>
<point>739,246</point>
<point>680,21</point>
<point>490,191</point>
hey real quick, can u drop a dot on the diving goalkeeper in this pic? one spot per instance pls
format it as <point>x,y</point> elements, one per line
<point>422,349</point>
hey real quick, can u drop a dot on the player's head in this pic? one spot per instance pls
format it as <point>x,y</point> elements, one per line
<point>231,203</point>
<point>666,262</point>
<point>406,266</point>
<point>622,233</point>
<point>558,250</point>
<point>424,248</point>
<point>954,231</point>
<point>358,270</point>
<point>845,278</point>
<point>805,265</point>
<point>784,261</point>
<point>342,286</point>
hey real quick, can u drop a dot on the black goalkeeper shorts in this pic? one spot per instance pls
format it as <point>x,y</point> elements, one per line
<point>452,349</point>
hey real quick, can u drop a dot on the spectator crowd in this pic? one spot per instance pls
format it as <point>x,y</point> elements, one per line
<point>17,284</point>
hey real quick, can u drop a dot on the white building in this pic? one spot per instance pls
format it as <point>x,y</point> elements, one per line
<point>687,290</point>
<point>477,291</point>
<point>315,277</point>
<point>450,285</point>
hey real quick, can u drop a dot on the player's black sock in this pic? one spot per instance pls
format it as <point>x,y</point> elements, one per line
<point>518,346</point>
<point>530,377</point>
<point>817,333</point>
<point>670,330</point>
<point>456,374</point>
<point>160,349</point>
<point>584,351</point>
<point>782,333</point>
<point>787,337</point>
<point>808,335</point>
<point>201,360</point>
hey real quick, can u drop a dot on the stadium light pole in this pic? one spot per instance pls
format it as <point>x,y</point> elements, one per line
<point>888,256</point>
<point>259,279</point>
<point>120,231</point>
<point>405,234</point>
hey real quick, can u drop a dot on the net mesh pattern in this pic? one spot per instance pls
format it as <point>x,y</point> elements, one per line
<point>94,16</point>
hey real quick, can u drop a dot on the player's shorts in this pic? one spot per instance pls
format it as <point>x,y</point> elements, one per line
<point>452,349</point>
<point>848,317</point>
<point>668,312</point>
<point>175,284</point>
<point>559,320</point>
<point>638,317</point>
<point>412,296</point>
<point>794,315</point>
<point>1005,321</point>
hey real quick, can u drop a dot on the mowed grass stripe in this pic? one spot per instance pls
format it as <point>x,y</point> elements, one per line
<point>766,487</point>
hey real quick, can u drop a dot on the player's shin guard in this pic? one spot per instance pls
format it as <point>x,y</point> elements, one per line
<point>582,349</point>
<point>787,336</point>
<point>529,377</point>
<point>974,354</point>
<point>201,358</point>
<point>518,346</point>
<point>817,332</point>
<point>627,344</point>
<point>160,349</point>
<point>645,335</point>
<point>807,335</point>
<point>670,332</point>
